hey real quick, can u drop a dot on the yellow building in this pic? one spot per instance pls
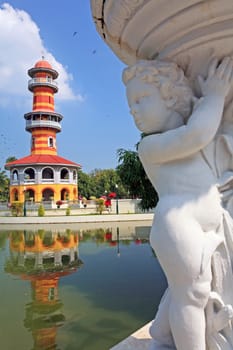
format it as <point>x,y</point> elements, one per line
<point>43,175</point>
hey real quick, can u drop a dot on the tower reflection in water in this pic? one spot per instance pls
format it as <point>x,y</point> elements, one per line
<point>43,258</point>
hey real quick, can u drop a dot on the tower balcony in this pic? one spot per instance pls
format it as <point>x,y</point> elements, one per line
<point>45,81</point>
<point>39,119</point>
<point>31,124</point>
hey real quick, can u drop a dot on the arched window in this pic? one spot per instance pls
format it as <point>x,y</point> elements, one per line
<point>47,173</point>
<point>47,194</point>
<point>31,195</point>
<point>29,239</point>
<point>74,175</point>
<point>64,174</point>
<point>48,239</point>
<point>15,175</point>
<point>29,174</point>
<point>64,194</point>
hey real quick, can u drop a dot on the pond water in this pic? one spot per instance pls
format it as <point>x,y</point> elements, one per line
<point>76,288</point>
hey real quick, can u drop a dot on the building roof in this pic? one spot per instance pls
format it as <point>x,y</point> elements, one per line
<point>44,159</point>
<point>43,64</point>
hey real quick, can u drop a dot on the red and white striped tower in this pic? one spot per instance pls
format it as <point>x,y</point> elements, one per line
<point>43,122</point>
<point>43,176</point>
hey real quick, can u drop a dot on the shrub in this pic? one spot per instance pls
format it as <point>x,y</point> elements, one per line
<point>100,205</point>
<point>41,211</point>
<point>17,208</point>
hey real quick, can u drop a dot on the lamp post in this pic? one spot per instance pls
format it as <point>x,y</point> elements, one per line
<point>117,206</point>
<point>24,202</point>
<point>118,242</point>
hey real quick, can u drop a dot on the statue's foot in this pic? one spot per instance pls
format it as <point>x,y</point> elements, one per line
<point>222,317</point>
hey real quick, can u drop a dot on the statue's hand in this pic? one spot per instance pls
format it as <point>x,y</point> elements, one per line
<point>219,78</point>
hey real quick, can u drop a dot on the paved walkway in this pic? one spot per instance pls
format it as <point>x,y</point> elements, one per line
<point>5,220</point>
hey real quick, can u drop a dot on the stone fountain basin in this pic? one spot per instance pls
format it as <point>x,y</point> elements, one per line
<point>189,32</point>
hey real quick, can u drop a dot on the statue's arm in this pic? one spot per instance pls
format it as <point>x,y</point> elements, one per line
<point>187,139</point>
<point>202,124</point>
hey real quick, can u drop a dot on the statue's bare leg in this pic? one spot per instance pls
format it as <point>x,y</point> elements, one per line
<point>185,256</point>
<point>160,329</point>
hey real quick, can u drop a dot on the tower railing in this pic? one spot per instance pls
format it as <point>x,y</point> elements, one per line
<point>14,182</point>
<point>42,81</point>
<point>42,123</point>
<point>43,180</point>
<point>28,181</point>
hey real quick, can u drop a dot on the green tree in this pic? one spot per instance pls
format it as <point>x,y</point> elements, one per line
<point>86,187</point>
<point>134,178</point>
<point>100,182</point>
<point>105,182</point>
<point>4,186</point>
<point>10,159</point>
<point>5,182</point>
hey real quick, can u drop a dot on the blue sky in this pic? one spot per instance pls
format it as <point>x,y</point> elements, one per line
<point>91,97</point>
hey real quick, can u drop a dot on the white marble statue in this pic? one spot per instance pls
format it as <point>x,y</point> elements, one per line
<point>181,151</point>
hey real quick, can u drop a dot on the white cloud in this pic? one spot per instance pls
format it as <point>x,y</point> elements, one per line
<point>20,48</point>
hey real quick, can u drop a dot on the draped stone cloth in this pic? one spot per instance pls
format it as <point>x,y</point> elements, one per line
<point>222,289</point>
<point>219,156</point>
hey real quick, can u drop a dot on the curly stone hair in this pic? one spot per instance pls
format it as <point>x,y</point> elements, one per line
<point>169,78</point>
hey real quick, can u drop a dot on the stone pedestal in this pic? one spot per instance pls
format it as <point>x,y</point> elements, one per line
<point>139,340</point>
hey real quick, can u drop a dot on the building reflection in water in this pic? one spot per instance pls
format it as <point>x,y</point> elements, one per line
<point>43,258</point>
<point>138,235</point>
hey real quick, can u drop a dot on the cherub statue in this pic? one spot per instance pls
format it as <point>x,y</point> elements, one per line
<point>186,231</point>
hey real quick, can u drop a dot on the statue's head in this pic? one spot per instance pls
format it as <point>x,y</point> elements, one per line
<point>168,78</point>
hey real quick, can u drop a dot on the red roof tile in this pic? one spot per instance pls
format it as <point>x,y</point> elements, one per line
<point>41,159</point>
